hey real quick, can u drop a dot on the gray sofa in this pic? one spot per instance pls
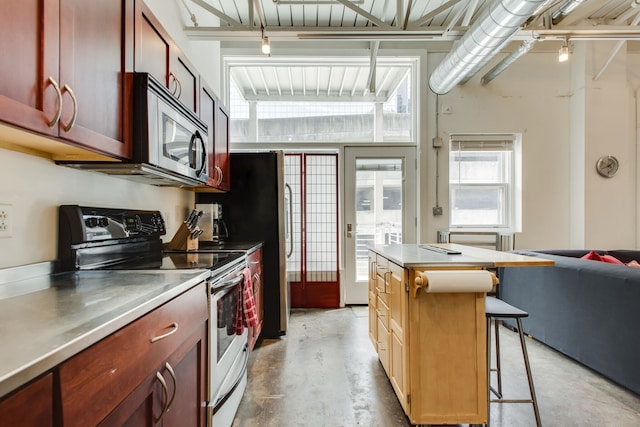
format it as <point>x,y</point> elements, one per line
<point>588,310</point>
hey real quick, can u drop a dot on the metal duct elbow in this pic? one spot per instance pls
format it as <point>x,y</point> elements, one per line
<point>494,28</point>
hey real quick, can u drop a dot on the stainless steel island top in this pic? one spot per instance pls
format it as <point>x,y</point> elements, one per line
<point>48,318</point>
<point>414,256</point>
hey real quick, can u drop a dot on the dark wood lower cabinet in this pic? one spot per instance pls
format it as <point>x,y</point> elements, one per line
<point>152,372</point>
<point>30,406</point>
<point>180,404</point>
<point>255,265</point>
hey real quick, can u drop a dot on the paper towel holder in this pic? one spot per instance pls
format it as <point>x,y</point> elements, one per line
<point>422,281</point>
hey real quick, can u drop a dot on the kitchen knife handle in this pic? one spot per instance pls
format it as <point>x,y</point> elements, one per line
<point>55,119</point>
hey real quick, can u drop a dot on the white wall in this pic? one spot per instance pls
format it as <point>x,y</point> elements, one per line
<point>567,120</point>
<point>36,186</point>
<point>532,98</point>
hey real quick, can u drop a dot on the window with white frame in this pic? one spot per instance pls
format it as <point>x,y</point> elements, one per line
<point>484,182</point>
<point>318,99</point>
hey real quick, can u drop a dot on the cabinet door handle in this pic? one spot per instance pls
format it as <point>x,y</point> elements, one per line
<point>220,175</point>
<point>177,90</point>
<point>55,119</point>
<point>174,329</point>
<point>175,384</point>
<point>256,278</point>
<point>165,391</point>
<point>72,122</point>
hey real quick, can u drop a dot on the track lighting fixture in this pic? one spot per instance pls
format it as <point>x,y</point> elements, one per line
<point>563,53</point>
<point>266,46</point>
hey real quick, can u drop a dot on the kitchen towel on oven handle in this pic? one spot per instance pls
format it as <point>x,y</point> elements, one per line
<point>246,315</point>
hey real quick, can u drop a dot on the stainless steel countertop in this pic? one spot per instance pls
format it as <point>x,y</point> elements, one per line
<point>231,246</point>
<point>46,319</point>
<point>413,256</point>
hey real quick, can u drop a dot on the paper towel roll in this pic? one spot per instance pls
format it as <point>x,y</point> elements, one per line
<point>455,281</point>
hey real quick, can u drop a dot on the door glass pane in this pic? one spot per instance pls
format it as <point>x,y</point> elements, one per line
<point>379,195</point>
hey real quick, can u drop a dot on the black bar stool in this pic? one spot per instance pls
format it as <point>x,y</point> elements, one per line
<point>495,310</point>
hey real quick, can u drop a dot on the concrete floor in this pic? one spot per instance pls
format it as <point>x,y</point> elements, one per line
<point>324,372</point>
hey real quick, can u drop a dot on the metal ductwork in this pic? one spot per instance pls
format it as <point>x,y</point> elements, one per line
<point>493,29</point>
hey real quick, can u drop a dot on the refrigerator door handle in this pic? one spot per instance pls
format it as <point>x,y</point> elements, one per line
<point>290,220</point>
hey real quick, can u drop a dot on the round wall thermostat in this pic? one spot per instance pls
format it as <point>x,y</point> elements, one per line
<point>607,166</point>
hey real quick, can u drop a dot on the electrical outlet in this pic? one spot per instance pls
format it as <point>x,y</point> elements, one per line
<point>437,210</point>
<point>6,219</point>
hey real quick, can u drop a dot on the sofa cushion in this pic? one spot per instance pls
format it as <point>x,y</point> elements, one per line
<point>634,263</point>
<point>594,256</point>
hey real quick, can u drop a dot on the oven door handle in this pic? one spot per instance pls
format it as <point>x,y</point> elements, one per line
<point>226,395</point>
<point>227,284</point>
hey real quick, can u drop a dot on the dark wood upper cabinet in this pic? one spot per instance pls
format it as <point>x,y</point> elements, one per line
<point>158,55</point>
<point>214,114</point>
<point>221,146</point>
<point>29,70</point>
<point>66,76</point>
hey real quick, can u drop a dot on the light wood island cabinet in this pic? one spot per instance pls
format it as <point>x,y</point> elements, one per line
<point>432,345</point>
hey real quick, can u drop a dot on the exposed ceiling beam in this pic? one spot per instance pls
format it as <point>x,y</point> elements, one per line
<point>373,56</point>
<point>368,97</point>
<point>252,17</point>
<point>264,81</point>
<point>615,51</point>
<point>400,13</point>
<point>364,13</point>
<point>261,18</point>
<point>355,83</point>
<point>407,14</point>
<point>299,32</point>
<point>206,6</point>
<point>596,32</point>
<point>471,9</point>
<point>438,10</point>
<point>583,11</point>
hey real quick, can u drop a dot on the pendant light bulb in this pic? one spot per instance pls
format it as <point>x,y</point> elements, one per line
<point>563,53</point>
<point>266,46</point>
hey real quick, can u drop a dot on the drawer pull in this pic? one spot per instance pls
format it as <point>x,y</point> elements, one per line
<point>165,391</point>
<point>163,336</point>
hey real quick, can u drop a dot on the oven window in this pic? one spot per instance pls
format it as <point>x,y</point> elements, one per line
<point>176,139</point>
<point>227,315</point>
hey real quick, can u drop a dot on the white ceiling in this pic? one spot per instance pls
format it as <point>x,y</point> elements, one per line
<point>375,21</point>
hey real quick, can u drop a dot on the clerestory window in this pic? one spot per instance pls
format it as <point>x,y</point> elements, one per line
<point>319,100</point>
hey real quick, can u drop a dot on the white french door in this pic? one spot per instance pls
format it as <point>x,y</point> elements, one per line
<point>379,208</point>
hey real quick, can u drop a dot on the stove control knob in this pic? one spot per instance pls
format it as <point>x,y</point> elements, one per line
<point>104,221</point>
<point>91,222</point>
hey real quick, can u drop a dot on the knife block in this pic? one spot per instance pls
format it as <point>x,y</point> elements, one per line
<point>182,240</point>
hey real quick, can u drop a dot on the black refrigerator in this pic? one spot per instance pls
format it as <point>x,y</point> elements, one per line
<point>255,209</point>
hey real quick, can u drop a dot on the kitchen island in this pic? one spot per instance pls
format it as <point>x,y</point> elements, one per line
<point>432,344</point>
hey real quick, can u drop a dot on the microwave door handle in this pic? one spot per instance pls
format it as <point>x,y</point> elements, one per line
<point>191,152</point>
<point>203,159</point>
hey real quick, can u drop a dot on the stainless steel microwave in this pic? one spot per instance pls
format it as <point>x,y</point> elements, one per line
<point>170,143</point>
<point>166,133</point>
